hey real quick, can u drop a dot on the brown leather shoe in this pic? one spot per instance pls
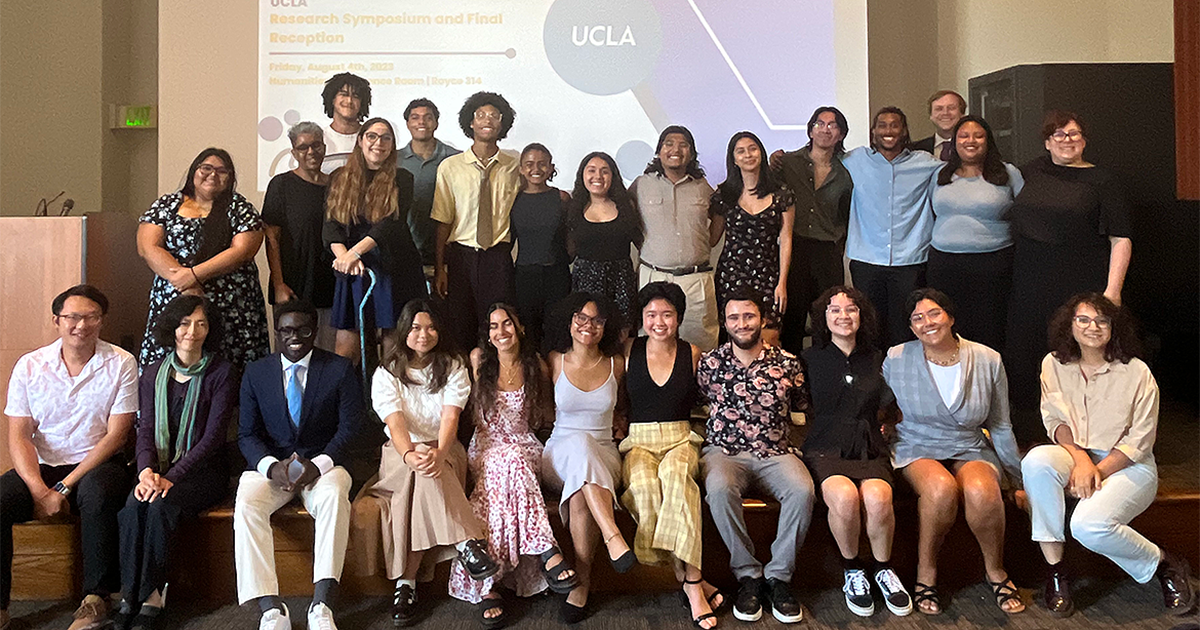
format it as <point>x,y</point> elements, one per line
<point>1057,594</point>
<point>92,614</point>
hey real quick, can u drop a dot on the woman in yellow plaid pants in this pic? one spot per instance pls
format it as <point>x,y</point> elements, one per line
<point>661,454</point>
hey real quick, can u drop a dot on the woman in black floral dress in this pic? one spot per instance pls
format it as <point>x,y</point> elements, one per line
<point>202,241</point>
<point>758,230</point>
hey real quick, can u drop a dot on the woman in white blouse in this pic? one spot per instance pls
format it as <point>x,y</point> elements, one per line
<point>419,390</point>
<point>1100,408</point>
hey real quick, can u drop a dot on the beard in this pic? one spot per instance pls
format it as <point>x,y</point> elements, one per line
<point>749,342</point>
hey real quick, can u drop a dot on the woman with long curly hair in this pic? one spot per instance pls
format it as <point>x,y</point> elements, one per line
<point>366,228</point>
<point>512,398</point>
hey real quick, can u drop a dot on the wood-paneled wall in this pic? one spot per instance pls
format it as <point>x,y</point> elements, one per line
<point>1187,99</point>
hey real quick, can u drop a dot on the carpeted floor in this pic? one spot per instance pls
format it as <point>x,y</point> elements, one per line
<point>1103,605</point>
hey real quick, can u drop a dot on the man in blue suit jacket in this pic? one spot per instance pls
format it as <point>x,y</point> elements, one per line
<point>300,409</point>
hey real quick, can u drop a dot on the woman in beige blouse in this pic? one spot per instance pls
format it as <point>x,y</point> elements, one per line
<point>1100,408</point>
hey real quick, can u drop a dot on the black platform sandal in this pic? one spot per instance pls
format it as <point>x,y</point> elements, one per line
<point>1004,592</point>
<point>563,585</point>
<point>696,621</point>
<point>486,604</point>
<point>926,593</point>
<point>625,562</point>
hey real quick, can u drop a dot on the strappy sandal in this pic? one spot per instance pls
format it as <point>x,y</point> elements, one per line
<point>563,585</point>
<point>927,593</point>
<point>487,604</point>
<point>1004,592</point>
<point>696,621</point>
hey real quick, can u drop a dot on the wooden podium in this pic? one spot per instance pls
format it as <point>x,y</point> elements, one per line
<point>43,256</point>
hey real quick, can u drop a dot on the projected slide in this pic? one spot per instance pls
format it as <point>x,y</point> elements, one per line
<point>582,75</point>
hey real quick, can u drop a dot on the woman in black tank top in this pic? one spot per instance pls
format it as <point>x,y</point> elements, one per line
<point>662,453</point>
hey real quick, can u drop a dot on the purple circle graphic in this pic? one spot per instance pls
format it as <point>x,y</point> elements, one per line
<point>270,128</point>
<point>291,117</point>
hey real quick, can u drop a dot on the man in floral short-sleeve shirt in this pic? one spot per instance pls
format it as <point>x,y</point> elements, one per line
<point>752,388</point>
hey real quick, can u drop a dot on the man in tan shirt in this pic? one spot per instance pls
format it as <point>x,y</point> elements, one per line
<point>472,201</point>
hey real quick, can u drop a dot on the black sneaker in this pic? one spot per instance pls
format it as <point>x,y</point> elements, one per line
<point>857,588</point>
<point>783,604</point>
<point>894,594</point>
<point>1175,575</point>
<point>404,605</point>
<point>748,606</point>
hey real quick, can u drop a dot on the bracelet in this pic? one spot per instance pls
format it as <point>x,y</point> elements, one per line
<point>404,457</point>
<point>193,270</point>
<point>356,254</point>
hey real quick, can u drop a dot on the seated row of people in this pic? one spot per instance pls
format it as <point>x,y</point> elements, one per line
<point>622,436</point>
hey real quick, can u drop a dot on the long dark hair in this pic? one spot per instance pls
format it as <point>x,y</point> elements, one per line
<point>217,232</point>
<point>731,188</point>
<point>539,392</point>
<point>692,168</point>
<point>868,321</point>
<point>994,172</point>
<point>580,197</point>
<point>355,193</point>
<point>1123,343</point>
<point>558,325</point>
<point>443,357</point>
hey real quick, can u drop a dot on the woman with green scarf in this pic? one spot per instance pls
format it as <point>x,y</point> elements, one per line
<point>186,401</point>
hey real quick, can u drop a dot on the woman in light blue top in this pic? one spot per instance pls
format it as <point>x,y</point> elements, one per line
<point>972,255</point>
<point>949,390</point>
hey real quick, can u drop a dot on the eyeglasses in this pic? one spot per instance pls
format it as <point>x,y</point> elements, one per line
<point>1102,322</point>
<point>305,148</point>
<point>75,318</point>
<point>821,124</point>
<point>371,136</point>
<point>303,332</point>
<point>209,169</point>
<point>1063,136</point>
<point>482,115</point>
<point>583,320</point>
<point>932,314</point>
<point>837,310</point>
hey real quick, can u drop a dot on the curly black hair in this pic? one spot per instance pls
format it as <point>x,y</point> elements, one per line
<point>868,319</point>
<point>558,324</point>
<point>358,85</point>
<point>182,306</point>
<point>1123,344</point>
<point>480,99</point>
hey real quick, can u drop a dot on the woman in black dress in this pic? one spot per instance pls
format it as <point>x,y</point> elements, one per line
<point>602,225</point>
<point>758,230</point>
<point>1071,231</point>
<point>539,232</point>
<point>845,449</point>
<point>366,228</point>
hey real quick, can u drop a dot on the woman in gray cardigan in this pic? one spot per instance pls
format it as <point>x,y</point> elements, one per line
<point>949,390</point>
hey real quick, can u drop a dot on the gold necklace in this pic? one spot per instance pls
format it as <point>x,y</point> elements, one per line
<point>951,361</point>
<point>513,371</point>
<point>598,360</point>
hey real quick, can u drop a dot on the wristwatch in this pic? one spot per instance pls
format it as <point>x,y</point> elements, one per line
<point>62,489</point>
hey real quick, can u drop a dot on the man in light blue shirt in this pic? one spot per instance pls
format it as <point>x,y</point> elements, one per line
<point>421,157</point>
<point>891,220</point>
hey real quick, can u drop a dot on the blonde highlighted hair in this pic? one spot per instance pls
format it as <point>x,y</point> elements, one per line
<point>356,194</point>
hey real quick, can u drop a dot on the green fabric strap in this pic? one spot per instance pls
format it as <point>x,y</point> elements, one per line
<point>162,426</point>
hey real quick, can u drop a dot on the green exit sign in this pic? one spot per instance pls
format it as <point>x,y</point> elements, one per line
<point>133,117</point>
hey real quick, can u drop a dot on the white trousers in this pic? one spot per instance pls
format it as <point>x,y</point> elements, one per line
<point>1101,521</point>
<point>327,500</point>
<point>700,324</point>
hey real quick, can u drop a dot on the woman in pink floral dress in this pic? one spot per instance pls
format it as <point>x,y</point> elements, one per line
<point>512,398</point>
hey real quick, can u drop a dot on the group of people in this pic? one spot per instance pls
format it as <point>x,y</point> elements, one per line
<point>898,376</point>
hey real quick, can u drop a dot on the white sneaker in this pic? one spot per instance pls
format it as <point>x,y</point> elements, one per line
<point>320,618</point>
<point>894,594</point>
<point>858,592</point>
<point>275,619</point>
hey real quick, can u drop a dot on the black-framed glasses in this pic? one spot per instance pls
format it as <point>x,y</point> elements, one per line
<point>371,136</point>
<point>1102,322</point>
<point>303,332</point>
<point>209,169</point>
<point>312,146</point>
<point>1063,136</point>
<point>581,319</point>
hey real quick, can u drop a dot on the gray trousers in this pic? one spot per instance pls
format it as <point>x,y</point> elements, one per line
<point>726,478</point>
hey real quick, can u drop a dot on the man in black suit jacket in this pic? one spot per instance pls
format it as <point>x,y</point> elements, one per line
<point>300,409</point>
<point>946,107</point>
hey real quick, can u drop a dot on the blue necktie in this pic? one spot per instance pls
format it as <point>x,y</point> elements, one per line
<point>294,394</point>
